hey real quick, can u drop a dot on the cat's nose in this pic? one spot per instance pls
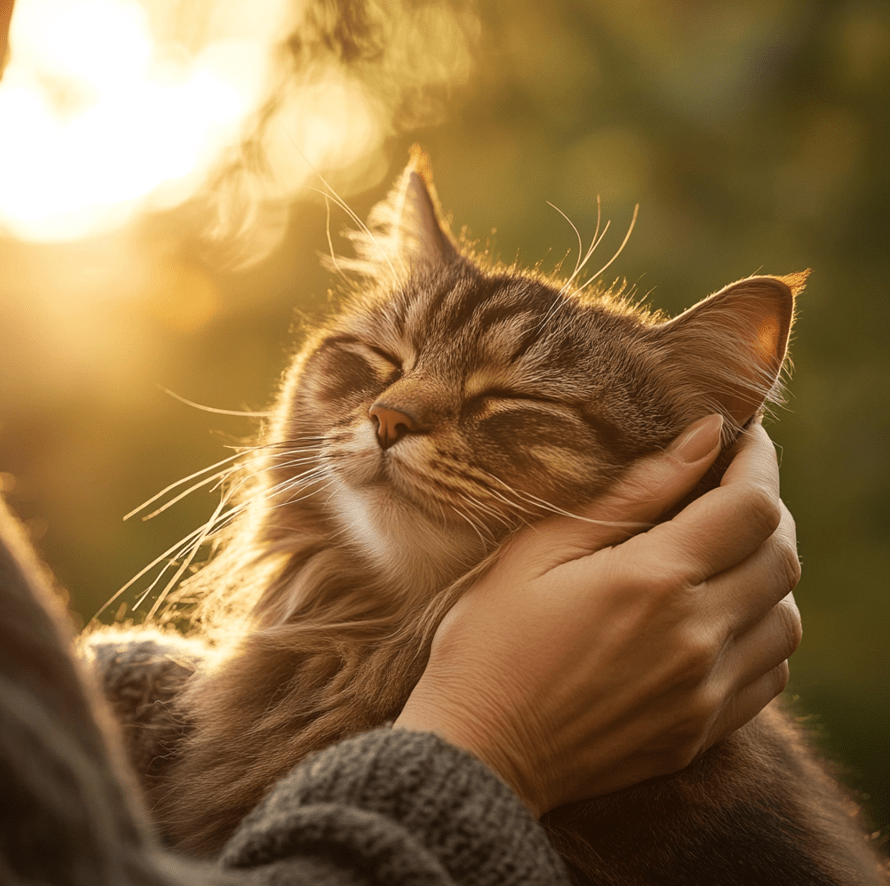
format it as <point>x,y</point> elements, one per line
<point>392,424</point>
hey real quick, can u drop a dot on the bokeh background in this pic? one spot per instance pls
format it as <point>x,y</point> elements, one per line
<point>161,222</point>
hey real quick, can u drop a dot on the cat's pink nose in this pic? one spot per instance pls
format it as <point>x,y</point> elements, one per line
<point>392,424</point>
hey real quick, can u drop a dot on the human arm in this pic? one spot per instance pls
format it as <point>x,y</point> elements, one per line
<point>579,665</point>
<point>383,808</point>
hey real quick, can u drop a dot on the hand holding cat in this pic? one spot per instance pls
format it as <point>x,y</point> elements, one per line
<point>583,663</point>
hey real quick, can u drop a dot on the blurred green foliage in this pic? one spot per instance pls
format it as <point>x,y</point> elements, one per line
<point>755,137</point>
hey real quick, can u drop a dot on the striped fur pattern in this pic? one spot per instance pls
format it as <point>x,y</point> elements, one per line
<point>446,406</point>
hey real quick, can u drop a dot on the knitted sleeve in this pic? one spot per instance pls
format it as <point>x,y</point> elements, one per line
<point>390,806</point>
<point>140,672</point>
<point>393,807</point>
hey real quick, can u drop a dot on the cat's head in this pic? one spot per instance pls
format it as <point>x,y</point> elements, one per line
<point>450,403</point>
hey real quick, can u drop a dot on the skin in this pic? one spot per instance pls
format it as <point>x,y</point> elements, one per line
<point>585,661</point>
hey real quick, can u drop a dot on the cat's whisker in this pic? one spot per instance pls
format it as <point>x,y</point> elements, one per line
<point>175,550</point>
<point>213,409</point>
<point>512,504</point>
<point>341,203</point>
<point>215,479</point>
<point>299,485</point>
<point>631,525</point>
<point>172,486</point>
<point>485,510</point>
<point>577,234</point>
<point>473,526</point>
<point>608,264</point>
<point>209,527</point>
<point>244,454</point>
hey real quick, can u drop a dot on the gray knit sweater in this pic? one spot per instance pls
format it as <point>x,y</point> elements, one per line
<point>388,807</point>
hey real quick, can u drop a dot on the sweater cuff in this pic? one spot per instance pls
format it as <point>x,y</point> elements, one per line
<point>395,800</point>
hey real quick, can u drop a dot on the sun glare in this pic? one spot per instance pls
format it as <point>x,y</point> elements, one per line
<point>100,118</point>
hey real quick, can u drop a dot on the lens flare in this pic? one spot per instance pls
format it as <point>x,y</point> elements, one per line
<point>101,119</point>
<point>112,107</point>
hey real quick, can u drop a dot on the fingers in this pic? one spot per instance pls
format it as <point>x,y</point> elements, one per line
<point>748,702</point>
<point>649,489</point>
<point>763,647</point>
<point>726,525</point>
<point>739,597</point>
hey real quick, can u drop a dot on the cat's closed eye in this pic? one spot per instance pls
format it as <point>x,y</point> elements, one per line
<point>507,394</point>
<point>393,361</point>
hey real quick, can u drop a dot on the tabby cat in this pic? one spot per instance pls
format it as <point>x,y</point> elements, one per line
<point>447,405</point>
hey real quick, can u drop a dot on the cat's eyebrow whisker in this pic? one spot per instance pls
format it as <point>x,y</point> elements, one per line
<point>341,203</point>
<point>605,267</point>
<point>594,243</point>
<point>332,194</point>
<point>577,234</point>
<point>327,228</point>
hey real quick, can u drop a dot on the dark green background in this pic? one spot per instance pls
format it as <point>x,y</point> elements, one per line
<point>755,137</point>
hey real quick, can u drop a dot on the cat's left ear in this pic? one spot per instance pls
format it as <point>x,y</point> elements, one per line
<point>726,353</point>
<point>424,235</point>
<point>406,229</point>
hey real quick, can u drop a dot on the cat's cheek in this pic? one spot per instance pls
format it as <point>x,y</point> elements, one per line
<point>354,457</point>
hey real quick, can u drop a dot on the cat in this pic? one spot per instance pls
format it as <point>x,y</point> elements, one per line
<point>447,405</point>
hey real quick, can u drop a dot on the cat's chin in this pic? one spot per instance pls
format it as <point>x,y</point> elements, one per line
<point>407,544</point>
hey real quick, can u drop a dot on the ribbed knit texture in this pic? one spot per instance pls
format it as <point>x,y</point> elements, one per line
<point>403,808</point>
<point>141,671</point>
<point>391,806</point>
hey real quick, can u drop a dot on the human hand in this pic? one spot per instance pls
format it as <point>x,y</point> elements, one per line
<point>578,666</point>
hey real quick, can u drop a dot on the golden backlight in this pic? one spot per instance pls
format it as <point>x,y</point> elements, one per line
<point>108,107</point>
<point>112,107</point>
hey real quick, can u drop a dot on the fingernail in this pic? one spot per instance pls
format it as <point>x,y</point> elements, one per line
<point>697,440</point>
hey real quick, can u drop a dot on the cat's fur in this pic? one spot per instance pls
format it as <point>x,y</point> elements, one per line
<point>448,405</point>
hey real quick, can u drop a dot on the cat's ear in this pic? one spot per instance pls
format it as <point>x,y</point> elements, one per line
<point>423,234</point>
<point>726,353</point>
<point>406,229</point>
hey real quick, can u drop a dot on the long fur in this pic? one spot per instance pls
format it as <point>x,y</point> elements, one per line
<point>525,396</point>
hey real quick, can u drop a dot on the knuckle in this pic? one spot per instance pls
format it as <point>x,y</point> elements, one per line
<point>793,628</point>
<point>696,656</point>
<point>655,584</point>
<point>763,507</point>
<point>778,678</point>
<point>792,567</point>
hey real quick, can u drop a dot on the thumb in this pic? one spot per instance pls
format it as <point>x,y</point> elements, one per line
<point>649,489</point>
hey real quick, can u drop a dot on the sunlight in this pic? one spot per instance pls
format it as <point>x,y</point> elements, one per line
<point>102,119</point>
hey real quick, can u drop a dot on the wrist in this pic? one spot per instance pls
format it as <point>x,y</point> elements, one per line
<point>424,713</point>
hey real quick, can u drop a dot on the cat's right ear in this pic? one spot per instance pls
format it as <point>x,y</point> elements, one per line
<point>726,353</point>
<point>406,229</point>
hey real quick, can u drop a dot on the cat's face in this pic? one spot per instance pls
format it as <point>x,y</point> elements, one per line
<point>453,405</point>
<point>466,404</point>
